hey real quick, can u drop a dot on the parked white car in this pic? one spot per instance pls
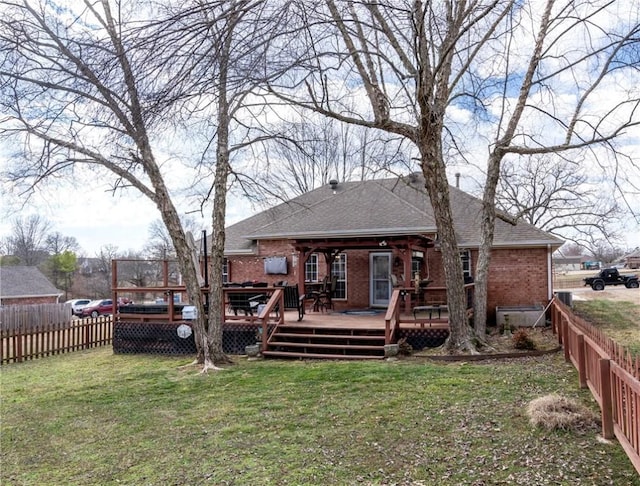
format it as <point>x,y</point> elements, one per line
<point>77,305</point>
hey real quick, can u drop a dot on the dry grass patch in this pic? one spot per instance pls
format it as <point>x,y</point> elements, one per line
<point>555,412</point>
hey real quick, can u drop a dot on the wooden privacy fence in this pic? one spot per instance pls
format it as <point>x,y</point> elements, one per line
<point>34,331</point>
<point>610,372</point>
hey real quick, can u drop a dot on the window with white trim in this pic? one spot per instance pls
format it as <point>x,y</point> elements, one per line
<point>465,256</point>
<point>311,268</point>
<point>225,270</point>
<point>339,269</point>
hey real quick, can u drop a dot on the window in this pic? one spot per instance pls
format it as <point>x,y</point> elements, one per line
<point>311,269</point>
<point>339,269</point>
<point>225,270</point>
<point>417,258</point>
<point>416,267</point>
<point>465,256</point>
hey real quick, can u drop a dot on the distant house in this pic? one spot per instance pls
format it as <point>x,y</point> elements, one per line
<point>26,285</point>
<point>632,260</point>
<point>567,263</point>
<point>372,234</point>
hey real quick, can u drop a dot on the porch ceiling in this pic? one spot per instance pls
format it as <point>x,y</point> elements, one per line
<point>417,242</point>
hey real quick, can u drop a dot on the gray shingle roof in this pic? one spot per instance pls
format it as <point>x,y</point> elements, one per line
<point>21,281</point>
<point>380,207</point>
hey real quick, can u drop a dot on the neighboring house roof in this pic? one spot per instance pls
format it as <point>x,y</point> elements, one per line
<point>20,282</point>
<point>634,254</point>
<point>568,260</point>
<point>380,207</point>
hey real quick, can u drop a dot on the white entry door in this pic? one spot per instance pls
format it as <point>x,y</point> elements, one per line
<point>380,285</point>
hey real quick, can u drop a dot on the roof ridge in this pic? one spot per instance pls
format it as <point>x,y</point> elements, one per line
<point>304,207</point>
<point>404,201</point>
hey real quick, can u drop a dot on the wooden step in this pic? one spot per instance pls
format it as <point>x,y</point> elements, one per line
<point>330,330</point>
<point>374,337</point>
<point>293,354</point>
<point>327,346</point>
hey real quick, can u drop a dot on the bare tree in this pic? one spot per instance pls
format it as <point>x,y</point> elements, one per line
<point>78,90</point>
<point>93,277</point>
<point>603,251</point>
<point>28,239</point>
<point>227,64</point>
<point>305,153</point>
<point>112,85</point>
<point>159,244</point>
<point>558,196</point>
<point>57,243</point>
<point>453,77</point>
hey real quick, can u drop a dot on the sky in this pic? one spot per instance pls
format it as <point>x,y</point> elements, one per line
<point>86,210</point>
<point>95,217</point>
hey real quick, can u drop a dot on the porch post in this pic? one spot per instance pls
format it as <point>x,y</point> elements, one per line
<point>406,263</point>
<point>302,259</point>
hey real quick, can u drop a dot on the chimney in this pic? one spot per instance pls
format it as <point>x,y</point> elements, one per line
<point>334,185</point>
<point>457,180</point>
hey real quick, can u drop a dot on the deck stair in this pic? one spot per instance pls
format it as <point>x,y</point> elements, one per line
<point>312,342</point>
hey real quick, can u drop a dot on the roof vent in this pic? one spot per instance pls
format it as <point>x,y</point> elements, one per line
<point>334,184</point>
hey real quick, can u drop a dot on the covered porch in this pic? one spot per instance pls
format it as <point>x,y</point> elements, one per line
<point>367,268</point>
<point>349,334</point>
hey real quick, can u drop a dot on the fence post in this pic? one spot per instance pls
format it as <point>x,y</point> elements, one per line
<point>582,367</point>
<point>18,347</point>
<point>86,331</point>
<point>605,399</point>
<point>566,342</point>
<point>559,328</point>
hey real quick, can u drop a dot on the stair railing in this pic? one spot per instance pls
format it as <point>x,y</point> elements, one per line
<point>275,301</point>
<point>392,317</point>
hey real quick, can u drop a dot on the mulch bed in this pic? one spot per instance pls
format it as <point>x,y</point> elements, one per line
<point>500,346</point>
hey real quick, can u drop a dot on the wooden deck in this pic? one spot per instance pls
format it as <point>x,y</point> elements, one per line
<point>349,335</point>
<point>363,320</point>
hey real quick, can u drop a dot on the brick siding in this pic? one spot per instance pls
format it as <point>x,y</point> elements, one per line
<point>516,276</point>
<point>29,300</point>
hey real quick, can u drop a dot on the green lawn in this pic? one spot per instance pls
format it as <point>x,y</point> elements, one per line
<point>94,418</point>
<point>619,320</point>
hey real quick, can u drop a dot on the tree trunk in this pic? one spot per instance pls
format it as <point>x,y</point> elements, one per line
<point>216,294</point>
<point>484,256</point>
<point>184,255</point>
<point>437,187</point>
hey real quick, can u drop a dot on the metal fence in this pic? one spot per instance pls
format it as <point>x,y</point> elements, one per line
<point>610,372</point>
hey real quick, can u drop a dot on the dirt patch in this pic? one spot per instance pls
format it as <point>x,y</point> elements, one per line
<point>616,294</point>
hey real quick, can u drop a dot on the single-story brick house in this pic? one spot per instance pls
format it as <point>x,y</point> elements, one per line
<point>372,234</point>
<point>26,285</point>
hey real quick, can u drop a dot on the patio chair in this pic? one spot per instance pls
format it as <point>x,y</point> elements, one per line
<point>324,299</point>
<point>293,300</point>
<point>245,302</point>
<point>314,295</point>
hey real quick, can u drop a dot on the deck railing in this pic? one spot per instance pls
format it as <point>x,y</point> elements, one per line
<point>610,372</point>
<point>392,317</point>
<point>275,301</point>
<point>401,300</point>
